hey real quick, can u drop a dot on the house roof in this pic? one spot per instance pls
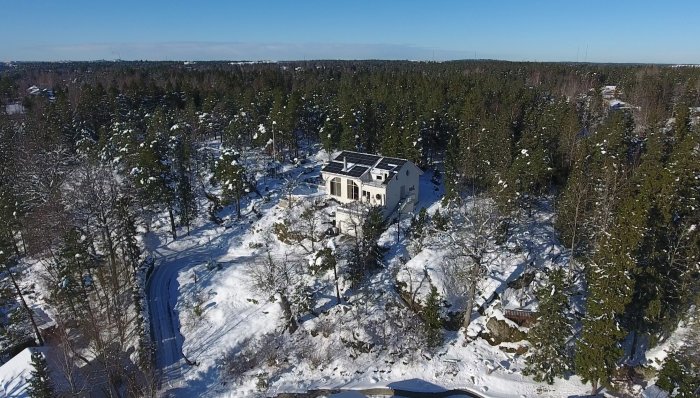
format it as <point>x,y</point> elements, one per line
<point>358,164</point>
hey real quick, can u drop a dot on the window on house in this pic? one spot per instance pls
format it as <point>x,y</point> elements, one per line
<point>412,188</point>
<point>406,172</point>
<point>379,177</point>
<point>335,186</point>
<point>353,190</point>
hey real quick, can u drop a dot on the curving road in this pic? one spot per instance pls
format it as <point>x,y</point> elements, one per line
<point>162,289</point>
<point>165,325</point>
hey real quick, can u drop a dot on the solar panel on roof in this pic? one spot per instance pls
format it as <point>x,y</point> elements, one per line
<point>357,171</point>
<point>391,163</point>
<point>333,167</point>
<point>358,158</point>
<point>359,163</point>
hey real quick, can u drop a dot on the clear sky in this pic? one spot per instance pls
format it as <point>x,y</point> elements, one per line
<point>662,31</point>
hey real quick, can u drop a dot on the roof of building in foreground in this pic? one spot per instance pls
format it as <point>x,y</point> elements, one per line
<point>355,164</point>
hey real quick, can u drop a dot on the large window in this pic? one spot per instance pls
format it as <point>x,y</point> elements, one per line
<point>335,186</point>
<point>353,190</point>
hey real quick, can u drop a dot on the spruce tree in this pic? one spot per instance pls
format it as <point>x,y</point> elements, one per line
<point>40,381</point>
<point>229,171</point>
<point>432,323</point>
<point>367,254</point>
<point>679,376</point>
<point>610,290</point>
<point>372,229</point>
<point>549,356</point>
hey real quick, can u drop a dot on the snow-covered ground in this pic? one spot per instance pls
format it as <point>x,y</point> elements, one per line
<point>204,305</point>
<point>14,375</point>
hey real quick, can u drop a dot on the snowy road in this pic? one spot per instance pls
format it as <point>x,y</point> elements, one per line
<point>203,245</point>
<point>163,289</point>
<point>165,325</point>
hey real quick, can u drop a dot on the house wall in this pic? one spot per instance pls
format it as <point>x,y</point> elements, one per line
<point>343,198</point>
<point>393,192</point>
<point>349,223</point>
<point>390,194</point>
<point>373,192</point>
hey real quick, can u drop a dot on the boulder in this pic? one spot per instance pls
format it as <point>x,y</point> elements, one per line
<point>500,331</point>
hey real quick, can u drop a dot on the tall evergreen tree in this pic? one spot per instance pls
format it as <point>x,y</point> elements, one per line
<point>229,171</point>
<point>431,318</point>
<point>185,175</point>
<point>610,290</point>
<point>153,173</point>
<point>40,380</point>
<point>549,356</point>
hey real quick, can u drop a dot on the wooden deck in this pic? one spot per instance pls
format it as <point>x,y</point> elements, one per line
<point>520,316</point>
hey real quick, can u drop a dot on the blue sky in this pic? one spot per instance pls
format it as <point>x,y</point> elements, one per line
<point>562,30</point>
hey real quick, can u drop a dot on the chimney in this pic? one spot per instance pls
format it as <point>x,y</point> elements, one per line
<point>345,163</point>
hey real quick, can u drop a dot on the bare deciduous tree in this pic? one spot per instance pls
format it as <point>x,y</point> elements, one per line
<point>472,236</point>
<point>275,277</point>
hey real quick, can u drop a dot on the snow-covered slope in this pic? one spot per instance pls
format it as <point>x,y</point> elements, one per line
<point>234,336</point>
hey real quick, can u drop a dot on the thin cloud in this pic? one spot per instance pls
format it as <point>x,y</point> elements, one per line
<point>204,51</point>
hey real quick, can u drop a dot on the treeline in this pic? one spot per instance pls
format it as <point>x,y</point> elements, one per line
<point>116,145</point>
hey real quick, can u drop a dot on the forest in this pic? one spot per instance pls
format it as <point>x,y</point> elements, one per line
<point>95,154</point>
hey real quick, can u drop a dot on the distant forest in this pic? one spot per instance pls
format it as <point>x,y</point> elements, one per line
<point>616,148</point>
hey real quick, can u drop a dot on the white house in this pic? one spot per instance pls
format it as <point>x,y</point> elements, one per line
<point>360,179</point>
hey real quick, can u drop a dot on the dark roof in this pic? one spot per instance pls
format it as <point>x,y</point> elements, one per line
<point>391,163</point>
<point>359,163</point>
<point>357,171</point>
<point>337,168</point>
<point>363,159</point>
<point>333,167</point>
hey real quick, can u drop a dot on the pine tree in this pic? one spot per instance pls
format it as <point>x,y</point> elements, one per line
<point>184,174</point>
<point>73,279</point>
<point>330,132</point>
<point>432,323</point>
<point>40,381</point>
<point>126,230</point>
<point>549,356</point>
<point>229,171</point>
<point>153,173</point>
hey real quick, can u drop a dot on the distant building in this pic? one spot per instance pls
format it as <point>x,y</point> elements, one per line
<point>14,109</point>
<point>358,180</point>
<point>609,92</point>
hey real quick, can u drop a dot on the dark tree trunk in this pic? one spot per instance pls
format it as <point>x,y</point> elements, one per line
<point>39,339</point>
<point>594,387</point>
<point>473,279</point>
<point>172,222</point>
<point>288,316</point>
<point>335,277</point>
